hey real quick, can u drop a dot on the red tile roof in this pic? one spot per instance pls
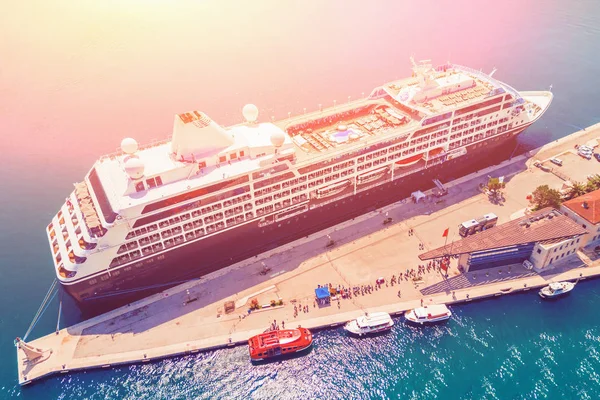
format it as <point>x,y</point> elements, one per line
<point>586,206</point>
<point>543,225</point>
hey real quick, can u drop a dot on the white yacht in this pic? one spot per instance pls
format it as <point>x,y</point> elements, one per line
<point>556,289</point>
<point>428,314</point>
<point>370,323</point>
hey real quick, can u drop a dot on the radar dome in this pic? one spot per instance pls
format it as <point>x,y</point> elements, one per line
<point>250,112</point>
<point>134,168</point>
<point>129,145</point>
<point>277,138</point>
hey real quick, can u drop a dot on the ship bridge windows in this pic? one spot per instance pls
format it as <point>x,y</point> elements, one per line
<point>194,194</point>
<point>478,106</point>
<point>488,111</point>
<point>154,182</point>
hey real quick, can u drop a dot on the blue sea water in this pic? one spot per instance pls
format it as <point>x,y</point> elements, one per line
<point>78,76</point>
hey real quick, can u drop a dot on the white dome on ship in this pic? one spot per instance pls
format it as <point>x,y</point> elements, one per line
<point>250,112</point>
<point>129,145</point>
<point>277,138</point>
<point>134,167</point>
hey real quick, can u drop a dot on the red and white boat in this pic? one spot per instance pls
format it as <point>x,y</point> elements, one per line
<point>280,342</point>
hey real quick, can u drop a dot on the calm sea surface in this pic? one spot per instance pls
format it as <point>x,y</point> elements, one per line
<point>78,76</point>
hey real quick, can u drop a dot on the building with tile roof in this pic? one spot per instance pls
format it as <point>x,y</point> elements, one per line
<point>585,211</point>
<point>544,238</point>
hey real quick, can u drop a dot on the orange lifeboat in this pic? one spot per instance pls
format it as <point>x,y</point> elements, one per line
<point>435,152</point>
<point>410,160</point>
<point>277,343</point>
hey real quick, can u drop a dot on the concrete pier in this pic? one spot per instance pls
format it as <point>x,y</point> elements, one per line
<point>190,318</point>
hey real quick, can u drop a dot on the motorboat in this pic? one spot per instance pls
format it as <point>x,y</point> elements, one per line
<point>428,314</point>
<point>556,289</point>
<point>370,323</point>
<point>279,342</point>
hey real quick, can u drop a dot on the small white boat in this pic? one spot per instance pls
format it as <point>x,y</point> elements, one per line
<point>370,323</point>
<point>556,289</point>
<point>428,314</point>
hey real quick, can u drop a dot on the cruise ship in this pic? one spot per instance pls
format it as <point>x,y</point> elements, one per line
<point>149,217</point>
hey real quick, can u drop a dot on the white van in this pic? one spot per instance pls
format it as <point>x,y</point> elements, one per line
<point>527,264</point>
<point>556,161</point>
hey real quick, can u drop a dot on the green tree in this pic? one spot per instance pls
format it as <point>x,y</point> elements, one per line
<point>543,197</point>
<point>593,184</point>
<point>578,189</point>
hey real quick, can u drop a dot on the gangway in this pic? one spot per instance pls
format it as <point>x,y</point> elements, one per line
<point>442,190</point>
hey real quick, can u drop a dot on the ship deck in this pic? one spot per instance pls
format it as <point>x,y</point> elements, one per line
<point>191,318</point>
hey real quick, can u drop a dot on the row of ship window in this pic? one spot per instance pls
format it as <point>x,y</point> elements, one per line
<point>324,172</point>
<point>174,236</point>
<point>282,204</point>
<point>361,160</point>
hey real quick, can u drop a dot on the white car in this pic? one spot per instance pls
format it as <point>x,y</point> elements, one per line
<point>585,147</point>
<point>556,161</point>
<point>587,156</point>
<point>527,264</point>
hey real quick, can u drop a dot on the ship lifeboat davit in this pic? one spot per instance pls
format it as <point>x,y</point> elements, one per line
<point>371,176</point>
<point>410,160</point>
<point>331,190</point>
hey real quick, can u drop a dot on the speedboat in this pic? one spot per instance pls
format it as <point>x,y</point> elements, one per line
<point>556,289</point>
<point>277,343</point>
<point>428,314</point>
<point>370,323</point>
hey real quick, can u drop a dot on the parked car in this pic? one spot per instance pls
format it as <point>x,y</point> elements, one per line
<point>587,156</point>
<point>597,157</point>
<point>556,161</point>
<point>527,264</point>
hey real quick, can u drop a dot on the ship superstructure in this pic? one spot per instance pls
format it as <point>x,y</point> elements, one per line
<point>152,216</point>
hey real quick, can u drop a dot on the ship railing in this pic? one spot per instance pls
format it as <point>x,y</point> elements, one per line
<point>152,143</point>
<point>488,78</point>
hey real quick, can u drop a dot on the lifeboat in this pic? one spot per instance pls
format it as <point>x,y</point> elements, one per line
<point>332,189</point>
<point>371,176</point>
<point>410,160</point>
<point>277,343</point>
<point>435,152</point>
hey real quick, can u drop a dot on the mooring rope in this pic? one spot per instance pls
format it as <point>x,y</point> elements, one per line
<point>47,299</point>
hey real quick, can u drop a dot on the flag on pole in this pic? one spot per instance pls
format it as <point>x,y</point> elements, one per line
<point>445,233</point>
<point>444,263</point>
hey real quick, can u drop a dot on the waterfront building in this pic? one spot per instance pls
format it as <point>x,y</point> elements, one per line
<point>585,210</point>
<point>544,238</point>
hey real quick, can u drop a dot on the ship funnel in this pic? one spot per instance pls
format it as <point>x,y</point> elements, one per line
<point>195,135</point>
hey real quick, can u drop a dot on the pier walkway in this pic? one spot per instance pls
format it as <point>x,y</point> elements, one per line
<point>191,318</point>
